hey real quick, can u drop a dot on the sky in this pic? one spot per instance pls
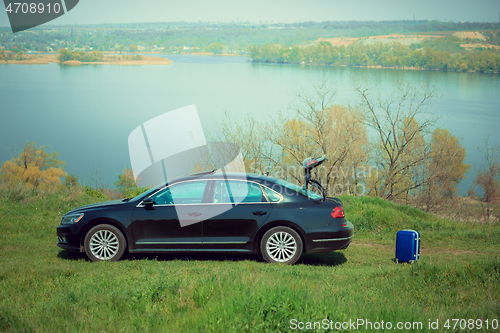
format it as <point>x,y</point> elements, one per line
<point>135,11</point>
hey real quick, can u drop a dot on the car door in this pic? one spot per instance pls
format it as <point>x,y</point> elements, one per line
<point>237,209</point>
<point>174,220</point>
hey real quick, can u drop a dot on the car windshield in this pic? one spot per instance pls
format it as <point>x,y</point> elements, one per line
<point>299,189</point>
<point>144,194</point>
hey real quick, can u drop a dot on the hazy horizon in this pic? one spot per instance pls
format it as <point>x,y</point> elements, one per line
<point>278,11</point>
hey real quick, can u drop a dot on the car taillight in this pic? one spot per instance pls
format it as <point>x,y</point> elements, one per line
<point>338,212</point>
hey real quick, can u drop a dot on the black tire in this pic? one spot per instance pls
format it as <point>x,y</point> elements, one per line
<point>105,243</point>
<point>281,245</point>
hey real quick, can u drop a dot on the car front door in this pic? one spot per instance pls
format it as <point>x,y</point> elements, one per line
<point>174,220</point>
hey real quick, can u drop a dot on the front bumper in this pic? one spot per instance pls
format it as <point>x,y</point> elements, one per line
<point>67,240</point>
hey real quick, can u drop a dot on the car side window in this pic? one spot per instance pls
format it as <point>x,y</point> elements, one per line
<point>234,191</point>
<point>181,193</point>
<point>271,195</point>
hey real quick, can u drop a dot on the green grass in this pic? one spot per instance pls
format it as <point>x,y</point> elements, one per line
<point>46,289</point>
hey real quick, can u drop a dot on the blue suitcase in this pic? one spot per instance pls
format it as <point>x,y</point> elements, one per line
<point>407,246</point>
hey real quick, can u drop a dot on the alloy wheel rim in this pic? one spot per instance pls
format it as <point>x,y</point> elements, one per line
<point>281,246</point>
<point>104,245</point>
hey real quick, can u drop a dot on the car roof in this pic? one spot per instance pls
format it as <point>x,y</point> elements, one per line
<point>224,175</point>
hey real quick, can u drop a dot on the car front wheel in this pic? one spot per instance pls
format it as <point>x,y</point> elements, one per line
<point>105,242</point>
<point>281,245</point>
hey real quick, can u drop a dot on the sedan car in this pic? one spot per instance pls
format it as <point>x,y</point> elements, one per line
<point>211,212</point>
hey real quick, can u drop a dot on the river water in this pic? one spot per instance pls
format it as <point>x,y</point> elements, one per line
<point>86,113</point>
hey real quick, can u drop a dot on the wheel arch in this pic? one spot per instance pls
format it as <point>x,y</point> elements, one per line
<point>89,225</point>
<point>279,223</point>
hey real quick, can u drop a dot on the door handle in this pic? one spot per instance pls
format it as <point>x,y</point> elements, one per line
<point>194,214</point>
<point>259,213</point>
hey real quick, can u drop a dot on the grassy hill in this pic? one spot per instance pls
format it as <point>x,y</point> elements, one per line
<point>46,289</point>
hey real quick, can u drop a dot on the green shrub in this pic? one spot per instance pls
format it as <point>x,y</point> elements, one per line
<point>93,193</point>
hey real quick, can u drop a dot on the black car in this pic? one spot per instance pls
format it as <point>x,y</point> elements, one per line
<point>219,212</point>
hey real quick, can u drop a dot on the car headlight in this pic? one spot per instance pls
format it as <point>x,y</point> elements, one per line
<point>71,219</point>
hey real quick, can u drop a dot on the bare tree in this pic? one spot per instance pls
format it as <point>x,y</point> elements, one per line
<point>408,165</point>
<point>400,124</point>
<point>488,178</point>
<point>248,134</point>
<point>320,128</point>
<point>317,128</point>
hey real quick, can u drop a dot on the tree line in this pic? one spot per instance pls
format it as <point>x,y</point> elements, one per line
<point>394,55</point>
<point>38,169</point>
<point>236,37</point>
<point>93,56</point>
<point>66,55</point>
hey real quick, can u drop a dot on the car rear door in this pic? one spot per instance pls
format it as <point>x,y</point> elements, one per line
<point>237,209</point>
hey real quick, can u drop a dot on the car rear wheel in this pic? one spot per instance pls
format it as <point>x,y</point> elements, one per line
<point>105,243</point>
<point>281,245</point>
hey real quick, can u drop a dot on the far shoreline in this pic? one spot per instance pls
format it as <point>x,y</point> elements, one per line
<point>109,59</point>
<point>44,58</point>
<point>114,59</point>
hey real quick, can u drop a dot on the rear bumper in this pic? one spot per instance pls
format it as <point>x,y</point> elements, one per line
<point>329,241</point>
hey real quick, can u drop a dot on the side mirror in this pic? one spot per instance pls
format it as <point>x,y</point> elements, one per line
<point>148,203</point>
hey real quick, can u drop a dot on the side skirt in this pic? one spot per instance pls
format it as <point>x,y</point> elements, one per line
<point>189,250</point>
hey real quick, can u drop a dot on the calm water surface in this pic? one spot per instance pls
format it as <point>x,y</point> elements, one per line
<point>86,113</point>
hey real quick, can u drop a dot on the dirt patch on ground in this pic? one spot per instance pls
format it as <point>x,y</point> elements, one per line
<point>356,243</point>
<point>35,59</point>
<point>338,41</point>
<point>454,251</point>
<point>211,54</point>
<point>469,35</point>
<point>480,46</point>
<point>73,62</point>
<point>9,248</point>
<point>361,244</point>
<point>423,250</point>
<point>200,53</point>
<point>398,38</point>
<point>146,60</point>
<point>412,38</point>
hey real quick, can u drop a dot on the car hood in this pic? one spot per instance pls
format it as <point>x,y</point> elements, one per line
<point>82,209</point>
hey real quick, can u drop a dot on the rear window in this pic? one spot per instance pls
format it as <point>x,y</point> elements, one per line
<point>233,191</point>
<point>272,196</point>
<point>298,189</point>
